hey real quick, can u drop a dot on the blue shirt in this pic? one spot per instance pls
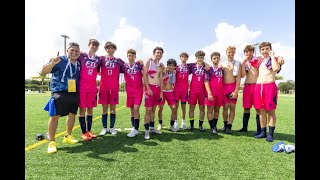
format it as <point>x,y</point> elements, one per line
<point>56,84</point>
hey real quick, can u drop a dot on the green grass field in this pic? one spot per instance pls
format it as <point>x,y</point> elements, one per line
<point>180,155</point>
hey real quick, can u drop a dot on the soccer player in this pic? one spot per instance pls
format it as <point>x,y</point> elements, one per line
<point>169,79</point>
<point>152,75</point>
<point>197,90</point>
<point>231,83</point>
<point>133,74</point>
<point>109,86</point>
<point>90,63</point>
<point>181,88</point>
<point>214,91</point>
<point>266,91</point>
<point>64,87</point>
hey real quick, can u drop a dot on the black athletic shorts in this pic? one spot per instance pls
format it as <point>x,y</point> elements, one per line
<point>66,102</point>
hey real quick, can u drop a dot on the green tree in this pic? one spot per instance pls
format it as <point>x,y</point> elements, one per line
<point>42,77</point>
<point>284,87</point>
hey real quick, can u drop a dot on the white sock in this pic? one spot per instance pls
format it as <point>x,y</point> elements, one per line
<point>183,121</point>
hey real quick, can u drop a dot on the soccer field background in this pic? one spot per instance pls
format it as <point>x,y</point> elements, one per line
<point>172,155</point>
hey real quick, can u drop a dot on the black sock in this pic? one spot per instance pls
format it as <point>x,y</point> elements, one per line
<point>225,123</point>
<point>132,121</point>
<point>104,120</point>
<point>215,121</point>
<point>191,123</point>
<point>245,120</point>
<point>89,122</point>
<point>112,120</point>
<point>146,126</point>
<point>83,126</point>
<point>200,123</point>
<point>171,122</point>
<point>152,124</point>
<point>160,121</point>
<point>258,123</point>
<point>136,124</point>
<point>271,130</point>
<point>211,123</point>
<point>229,126</point>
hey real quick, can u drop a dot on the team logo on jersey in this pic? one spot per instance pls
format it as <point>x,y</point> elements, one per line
<point>183,69</point>
<point>110,64</point>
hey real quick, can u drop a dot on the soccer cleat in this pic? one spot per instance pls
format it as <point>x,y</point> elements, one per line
<point>112,131</point>
<point>52,147</point>
<point>70,140</point>
<point>154,131</point>
<point>201,128</point>
<point>176,126</point>
<point>159,127</point>
<point>191,128</point>
<point>173,129</point>
<point>242,130</point>
<point>146,135</point>
<point>228,130</point>
<point>183,126</point>
<point>133,133</point>
<point>214,130</point>
<point>86,137</point>
<point>91,134</point>
<point>104,131</point>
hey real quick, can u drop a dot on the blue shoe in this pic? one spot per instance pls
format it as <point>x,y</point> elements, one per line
<point>279,147</point>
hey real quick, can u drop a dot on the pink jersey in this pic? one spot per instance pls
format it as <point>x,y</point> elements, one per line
<point>133,77</point>
<point>197,80</point>
<point>215,78</point>
<point>182,74</point>
<point>88,72</point>
<point>110,71</point>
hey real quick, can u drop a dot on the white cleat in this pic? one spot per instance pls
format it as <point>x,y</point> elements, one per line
<point>184,126</point>
<point>133,133</point>
<point>159,127</point>
<point>173,129</point>
<point>112,131</point>
<point>146,135</point>
<point>104,131</point>
<point>176,126</point>
<point>155,131</point>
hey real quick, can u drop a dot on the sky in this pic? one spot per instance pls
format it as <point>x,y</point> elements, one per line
<point>176,25</point>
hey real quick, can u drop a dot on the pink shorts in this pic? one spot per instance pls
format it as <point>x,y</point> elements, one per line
<point>266,96</point>
<point>169,97</point>
<point>134,99</point>
<point>88,99</point>
<point>248,95</point>
<point>194,97</point>
<point>181,95</point>
<point>228,88</point>
<point>108,97</point>
<point>218,100</point>
<point>150,101</point>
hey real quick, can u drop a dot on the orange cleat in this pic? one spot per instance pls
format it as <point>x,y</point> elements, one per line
<point>91,134</point>
<point>86,136</point>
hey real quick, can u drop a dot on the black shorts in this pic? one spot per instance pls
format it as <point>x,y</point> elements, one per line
<point>66,103</point>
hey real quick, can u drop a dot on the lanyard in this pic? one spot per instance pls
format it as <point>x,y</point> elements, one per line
<point>71,74</point>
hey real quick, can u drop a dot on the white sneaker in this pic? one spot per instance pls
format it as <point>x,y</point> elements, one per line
<point>173,129</point>
<point>176,126</point>
<point>104,131</point>
<point>112,131</point>
<point>133,133</point>
<point>146,135</point>
<point>154,131</point>
<point>183,125</point>
<point>159,127</point>
<point>214,131</point>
